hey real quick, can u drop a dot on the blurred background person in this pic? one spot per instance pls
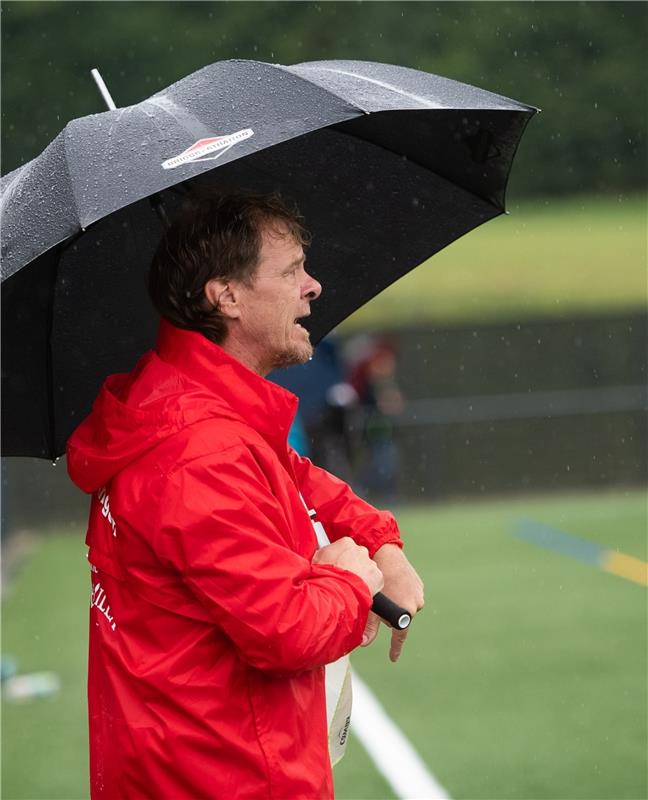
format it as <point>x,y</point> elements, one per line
<point>372,375</point>
<point>326,399</point>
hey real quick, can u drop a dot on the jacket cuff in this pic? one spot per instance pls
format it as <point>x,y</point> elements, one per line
<point>389,535</point>
<point>398,542</point>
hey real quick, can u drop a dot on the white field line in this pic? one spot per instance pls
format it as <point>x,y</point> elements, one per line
<point>391,752</point>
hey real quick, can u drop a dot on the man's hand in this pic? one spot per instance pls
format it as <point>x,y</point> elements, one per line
<point>403,586</point>
<point>346,554</point>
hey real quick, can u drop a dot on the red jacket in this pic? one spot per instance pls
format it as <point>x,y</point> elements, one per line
<point>209,626</point>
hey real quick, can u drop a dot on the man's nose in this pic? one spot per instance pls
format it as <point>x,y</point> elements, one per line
<point>312,289</point>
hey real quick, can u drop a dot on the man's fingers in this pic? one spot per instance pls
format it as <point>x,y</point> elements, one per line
<point>371,629</point>
<point>397,642</point>
<point>333,551</point>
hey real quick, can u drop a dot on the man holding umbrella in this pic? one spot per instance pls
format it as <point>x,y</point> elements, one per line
<point>213,612</point>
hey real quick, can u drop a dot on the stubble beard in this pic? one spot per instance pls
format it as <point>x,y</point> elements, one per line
<point>293,356</point>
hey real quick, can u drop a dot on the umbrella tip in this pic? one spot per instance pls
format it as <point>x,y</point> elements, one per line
<point>103,89</point>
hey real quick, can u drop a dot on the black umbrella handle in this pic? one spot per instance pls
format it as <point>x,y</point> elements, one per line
<point>396,616</point>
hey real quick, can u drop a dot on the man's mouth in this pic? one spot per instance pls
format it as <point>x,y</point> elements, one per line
<point>298,324</point>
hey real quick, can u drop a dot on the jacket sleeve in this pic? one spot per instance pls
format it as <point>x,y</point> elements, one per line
<point>226,533</point>
<point>340,510</point>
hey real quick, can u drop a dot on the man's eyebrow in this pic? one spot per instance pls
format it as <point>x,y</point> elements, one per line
<point>297,262</point>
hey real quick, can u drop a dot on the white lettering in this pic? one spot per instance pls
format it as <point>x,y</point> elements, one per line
<point>97,599</point>
<point>222,144</point>
<point>104,499</point>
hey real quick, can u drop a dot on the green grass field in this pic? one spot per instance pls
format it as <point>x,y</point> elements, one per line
<point>561,257</point>
<point>525,676</point>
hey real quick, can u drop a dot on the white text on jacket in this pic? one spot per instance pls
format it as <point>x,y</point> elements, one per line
<point>98,600</point>
<point>102,496</point>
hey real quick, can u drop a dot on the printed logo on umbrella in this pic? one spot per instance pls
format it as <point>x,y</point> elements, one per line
<point>208,149</point>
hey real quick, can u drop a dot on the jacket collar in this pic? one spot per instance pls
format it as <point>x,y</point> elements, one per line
<point>267,408</point>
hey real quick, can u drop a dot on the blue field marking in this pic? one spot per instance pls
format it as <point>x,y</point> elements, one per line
<point>565,543</point>
<point>612,561</point>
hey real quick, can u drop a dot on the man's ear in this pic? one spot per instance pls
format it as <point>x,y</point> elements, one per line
<point>223,296</point>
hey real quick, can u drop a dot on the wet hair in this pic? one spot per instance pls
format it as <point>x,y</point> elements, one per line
<point>214,236</point>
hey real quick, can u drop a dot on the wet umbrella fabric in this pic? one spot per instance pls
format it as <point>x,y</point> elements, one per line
<point>387,164</point>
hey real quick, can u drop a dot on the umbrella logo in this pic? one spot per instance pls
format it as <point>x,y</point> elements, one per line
<point>208,149</point>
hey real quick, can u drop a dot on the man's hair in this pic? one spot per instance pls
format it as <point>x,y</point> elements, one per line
<point>214,236</point>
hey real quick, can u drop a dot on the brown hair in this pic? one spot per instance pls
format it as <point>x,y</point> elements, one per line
<point>213,236</point>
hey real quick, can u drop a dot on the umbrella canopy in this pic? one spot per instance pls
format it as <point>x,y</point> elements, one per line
<point>388,165</point>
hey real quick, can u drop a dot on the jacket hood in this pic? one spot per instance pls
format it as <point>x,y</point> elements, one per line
<point>185,380</point>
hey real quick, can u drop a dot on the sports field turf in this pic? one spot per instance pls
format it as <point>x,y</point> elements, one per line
<point>546,259</point>
<point>525,677</point>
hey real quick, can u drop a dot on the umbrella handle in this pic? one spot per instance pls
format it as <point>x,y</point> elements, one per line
<point>392,613</point>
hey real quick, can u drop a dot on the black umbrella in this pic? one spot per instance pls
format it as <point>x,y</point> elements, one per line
<point>387,164</point>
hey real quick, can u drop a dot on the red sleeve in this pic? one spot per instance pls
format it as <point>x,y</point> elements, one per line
<point>223,529</point>
<point>340,510</point>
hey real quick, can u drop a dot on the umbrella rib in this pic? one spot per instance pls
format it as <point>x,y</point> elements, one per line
<point>188,122</point>
<point>424,101</point>
<point>383,85</point>
<point>330,92</point>
<point>67,169</point>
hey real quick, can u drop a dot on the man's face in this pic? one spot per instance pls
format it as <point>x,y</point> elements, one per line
<point>267,333</point>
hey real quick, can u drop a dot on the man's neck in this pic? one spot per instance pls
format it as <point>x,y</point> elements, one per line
<point>241,352</point>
